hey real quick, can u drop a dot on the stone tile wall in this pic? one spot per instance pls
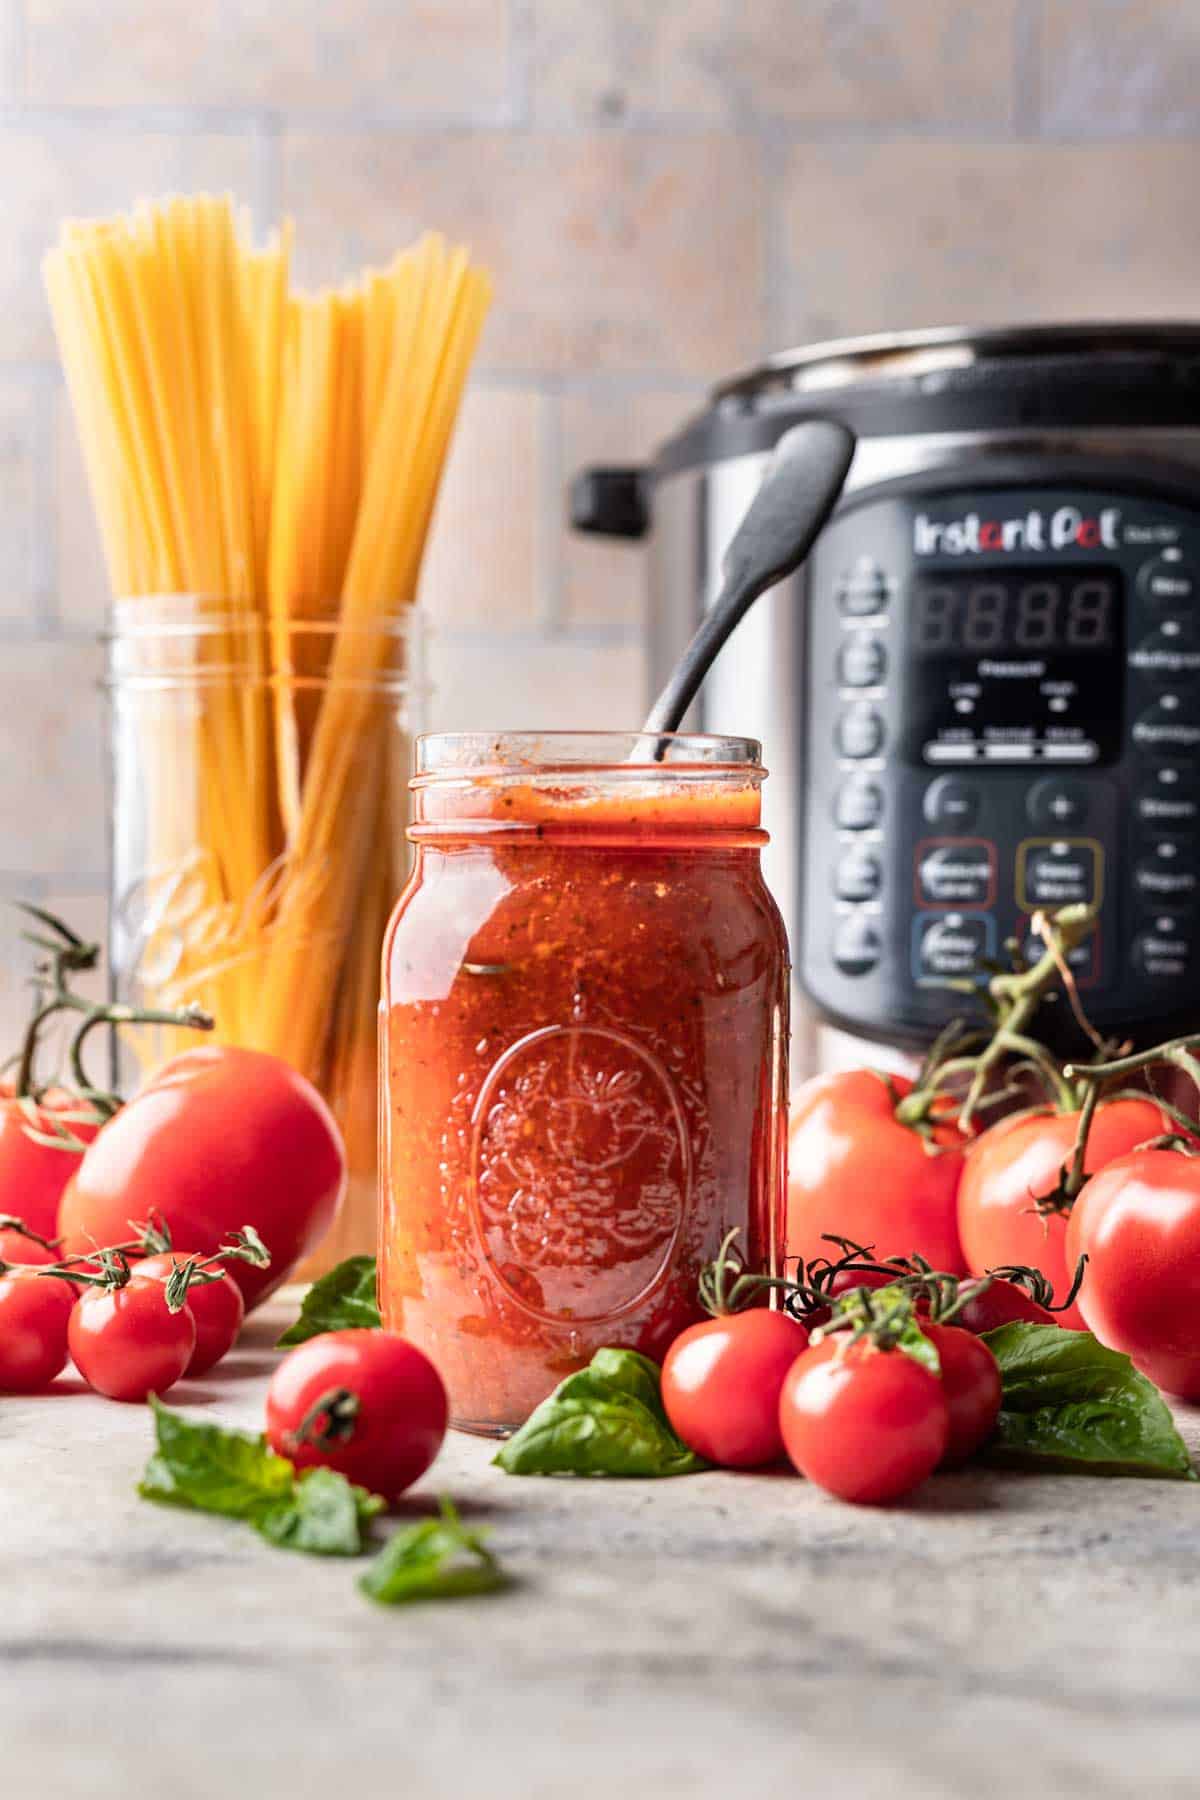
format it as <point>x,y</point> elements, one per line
<point>666,189</point>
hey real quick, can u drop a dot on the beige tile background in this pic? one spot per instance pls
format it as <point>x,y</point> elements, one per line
<point>665,188</point>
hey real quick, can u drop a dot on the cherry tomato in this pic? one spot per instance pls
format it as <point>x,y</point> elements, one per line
<point>1020,1160</point>
<point>33,1175</point>
<point>844,1281</point>
<point>16,1247</point>
<point>863,1423</point>
<point>366,1402</point>
<point>219,1138</point>
<point>34,1310</point>
<point>854,1169</point>
<point>216,1306</point>
<point>971,1387</point>
<point>1000,1303</point>
<point>1138,1221</point>
<point>721,1382</point>
<point>126,1343</point>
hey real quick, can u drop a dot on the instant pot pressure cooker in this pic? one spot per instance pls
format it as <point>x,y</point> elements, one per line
<point>981,695</point>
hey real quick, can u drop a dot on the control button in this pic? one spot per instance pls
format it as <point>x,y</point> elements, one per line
<point>861,660</point>
<point>857,946</point>
<point>1165,583</point>
<point>1168,796</point>
<point>859,875</point>
<point>1171,725</point>
<point>1058,872</point>
<point>1170,653</point>
<point>1083,960</point>
<point>1057,805</point>
<point>952,802</point>
<point>859,804</point>
<point>951,946</point>
<point>1166,875</point>
<point>863,589</point>
<point>860,731</point>
<point>1163,952</point>
<point>956,874</point>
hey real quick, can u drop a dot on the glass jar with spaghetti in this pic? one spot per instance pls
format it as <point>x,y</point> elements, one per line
<point>583,1053</point>
<point>259,800</point>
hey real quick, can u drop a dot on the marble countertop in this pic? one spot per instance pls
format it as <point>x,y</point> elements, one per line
<point>710,1635</point>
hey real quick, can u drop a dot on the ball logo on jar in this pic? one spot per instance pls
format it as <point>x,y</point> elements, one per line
<point>581,1172</point>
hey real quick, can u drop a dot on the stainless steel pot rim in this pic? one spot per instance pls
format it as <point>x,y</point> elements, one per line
<point>900,355</point>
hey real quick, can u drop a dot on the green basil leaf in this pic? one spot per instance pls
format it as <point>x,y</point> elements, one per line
<point>323,1516</point>
<point>1070,1404</point>
<point>344,1299</point>
<point>237,1474</point>
<point>215,1470</point>
<point>439,1559</point>
<point>607,1419</point>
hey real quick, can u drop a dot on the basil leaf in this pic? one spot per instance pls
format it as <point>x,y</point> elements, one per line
<point>214,1470</point>
<point>238,1475</point>
<point>1070,1404</point>
<point>323,1516</point>
<point>607,1419</point>
<point>343,1300</point>
<point>439,1559</point>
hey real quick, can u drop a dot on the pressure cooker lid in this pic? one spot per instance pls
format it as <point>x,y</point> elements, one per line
<point>949,351</point>
<point>1034,378</point>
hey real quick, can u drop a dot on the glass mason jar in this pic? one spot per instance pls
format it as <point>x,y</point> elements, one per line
<point>583,1053</point>
<point>258,803</point>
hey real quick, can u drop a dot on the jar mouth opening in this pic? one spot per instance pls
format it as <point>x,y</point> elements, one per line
<point>537,755</point>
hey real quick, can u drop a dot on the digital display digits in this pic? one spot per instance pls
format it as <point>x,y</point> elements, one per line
<point>1015,610</point>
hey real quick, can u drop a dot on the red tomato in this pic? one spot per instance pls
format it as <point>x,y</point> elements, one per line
<point>15,1247</point>
<point>855,1170</point>
<point>865,1424</point>
<point>216,1306</point>
<point>34,1310</point>
<point>33,1175</point>
<point>1138,1221</point>
<point>971,1387</point>
<point>1000,1303</point>
<point>126,1344</point>
<point>1020,1160</point>
<point>721,1382</point>
<point>844,1282</point>
<point>219,1138</point>
<point>366,1402</point>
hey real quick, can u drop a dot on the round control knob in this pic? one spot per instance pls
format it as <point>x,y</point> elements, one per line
<point>857,946</point>
<point>861,660</point>
<point>859,804</point>
<point>859,876</point>
<point>1057,805</point>
<point>951,803</point>
<point>860,731</point>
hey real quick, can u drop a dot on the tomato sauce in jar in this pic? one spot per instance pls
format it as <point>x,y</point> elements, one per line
<point>583,1053</point>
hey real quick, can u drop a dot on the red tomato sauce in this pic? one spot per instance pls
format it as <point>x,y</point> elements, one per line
<point>584,1033</point>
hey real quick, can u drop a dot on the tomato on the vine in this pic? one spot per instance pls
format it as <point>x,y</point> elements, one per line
<point>126,1342</point>
<point>34,1311</point>
<point>857,1170</point>
<point>35,1170</point>
<point>367,1403</point>
<point>22,1245</point>
<point>1019,1162</point>
<point>866,1424</point>
<point>986,1305</point>
<point>216,1305</point>
<point>217,1138</point>
<point>721,1382</point>
<point>971,1387</point>
<point>1138,1223</point>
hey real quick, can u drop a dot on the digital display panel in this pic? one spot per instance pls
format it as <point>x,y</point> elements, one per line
<point>1015,611</point>
<point>1012,665</point>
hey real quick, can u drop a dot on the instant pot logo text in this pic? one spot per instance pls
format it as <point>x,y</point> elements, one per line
<point>1066,528</point>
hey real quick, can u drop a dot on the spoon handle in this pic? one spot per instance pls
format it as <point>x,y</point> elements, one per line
<point>804,477</point>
